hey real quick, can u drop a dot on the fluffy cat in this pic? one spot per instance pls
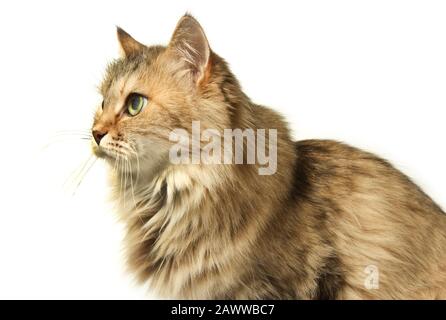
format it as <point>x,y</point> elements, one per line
<point>312,230</point>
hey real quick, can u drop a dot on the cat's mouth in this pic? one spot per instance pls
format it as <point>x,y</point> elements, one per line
<point>97,151</point>
<point>109,153</point>
<point>103,153</point>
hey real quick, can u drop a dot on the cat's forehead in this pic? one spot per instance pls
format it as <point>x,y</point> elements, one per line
<point>121,69</point>
<point>117,71</point>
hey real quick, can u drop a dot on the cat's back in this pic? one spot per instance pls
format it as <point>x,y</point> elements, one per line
<point>374,217</point>
<point>347,172</point>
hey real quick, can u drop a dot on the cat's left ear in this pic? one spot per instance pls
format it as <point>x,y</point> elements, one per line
<point>129,46</point>
<point>189,43</point>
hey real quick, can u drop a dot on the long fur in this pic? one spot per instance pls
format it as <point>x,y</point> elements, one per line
<point>308,231</point>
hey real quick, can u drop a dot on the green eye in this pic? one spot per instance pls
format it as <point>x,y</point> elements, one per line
<point>135,103</point>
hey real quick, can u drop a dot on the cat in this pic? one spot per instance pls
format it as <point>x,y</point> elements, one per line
<point>332,222</point>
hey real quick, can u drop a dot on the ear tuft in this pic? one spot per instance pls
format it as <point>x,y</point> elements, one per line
<point>191,45</point>
<point>129,45</point>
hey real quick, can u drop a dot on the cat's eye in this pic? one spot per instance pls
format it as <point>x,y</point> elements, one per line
<point>135,103</point>
<point>102,105</point>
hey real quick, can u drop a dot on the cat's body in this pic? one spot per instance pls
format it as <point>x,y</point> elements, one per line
<point>311,230</point>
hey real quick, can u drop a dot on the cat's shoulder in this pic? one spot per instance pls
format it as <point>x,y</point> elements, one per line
<point>326,163</point>
<point>335,152</point>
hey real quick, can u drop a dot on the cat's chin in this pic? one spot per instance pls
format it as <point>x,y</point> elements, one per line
<point>145,169</point>
<point>103,153</point>
<point>98,152</point>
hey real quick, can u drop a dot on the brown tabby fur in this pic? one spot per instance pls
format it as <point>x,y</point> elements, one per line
<point>223,231</point>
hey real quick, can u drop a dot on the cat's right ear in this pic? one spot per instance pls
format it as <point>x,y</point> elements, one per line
<point>129,46</point>
<point>190,45</point>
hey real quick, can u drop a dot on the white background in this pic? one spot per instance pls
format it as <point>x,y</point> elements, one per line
<point>370,73</point>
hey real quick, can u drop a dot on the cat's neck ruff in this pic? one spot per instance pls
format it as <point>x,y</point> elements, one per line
<point>169,222</point>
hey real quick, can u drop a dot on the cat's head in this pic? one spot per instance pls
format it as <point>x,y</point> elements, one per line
<point>152,90</point>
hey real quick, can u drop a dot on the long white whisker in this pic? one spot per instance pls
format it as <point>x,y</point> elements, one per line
<point>120,176</point>
<point>124,178</point>
<point>62,139</point>
<point>75,173</point>
<point>79,174</point>
<point>131,183</point>
<point>84,174</point>
<point>138,169</point>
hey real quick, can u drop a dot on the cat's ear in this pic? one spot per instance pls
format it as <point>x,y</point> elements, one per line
<point>129,46</point>
<point>189,43</point>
